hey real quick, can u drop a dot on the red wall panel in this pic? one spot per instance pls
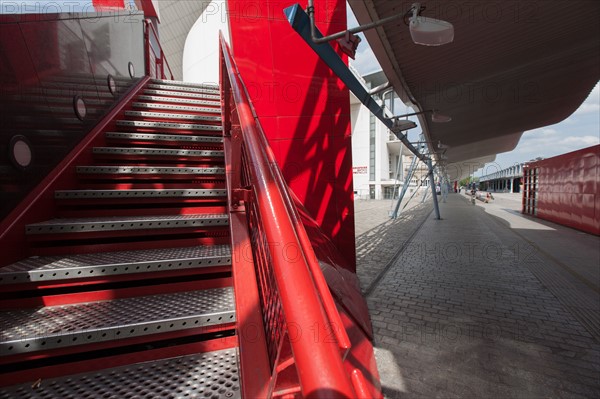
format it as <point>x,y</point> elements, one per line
<point>569,189</point>
<point>303,107</point>
<point>109,4</point>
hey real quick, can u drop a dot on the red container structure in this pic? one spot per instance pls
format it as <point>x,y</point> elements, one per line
<point>565,189</point>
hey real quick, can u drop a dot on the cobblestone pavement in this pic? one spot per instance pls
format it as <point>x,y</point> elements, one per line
<point>379,238</point>
<point>466,311</point>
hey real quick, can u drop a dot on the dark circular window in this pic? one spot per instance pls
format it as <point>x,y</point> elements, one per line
<point>131,69</point>
<point>112,85</point>
<point>79,107</point>
<point>20,152</point>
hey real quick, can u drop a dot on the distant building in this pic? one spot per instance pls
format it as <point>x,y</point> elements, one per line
<point>380,160</point>
<point>505,180</point>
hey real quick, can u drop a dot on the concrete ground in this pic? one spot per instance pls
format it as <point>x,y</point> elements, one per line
<point>485,303</point>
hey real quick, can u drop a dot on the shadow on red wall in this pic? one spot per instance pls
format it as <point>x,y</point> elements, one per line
<point>565,189</point>
<point>304,110</point>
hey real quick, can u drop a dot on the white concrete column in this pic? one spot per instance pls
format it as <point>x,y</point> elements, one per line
<point>201,51</point>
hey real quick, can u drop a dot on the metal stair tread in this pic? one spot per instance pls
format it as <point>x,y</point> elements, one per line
<point>174,170</point>
<point>140,193</point>
<point>182,94</point>
<point>114,223</point>
<point>177,100</point>
<point>47,268</point>
<point>196,375</point>
<point>169,125</point>
<point>167,115</point>
<point>187,89</point>
<point>164,137</point>
<point>27,330</point>
<point>185,84</point>
<point>157,151</point>
<point>171,107</point>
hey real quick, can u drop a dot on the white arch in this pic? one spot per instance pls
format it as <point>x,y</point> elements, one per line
<point>201,50</point>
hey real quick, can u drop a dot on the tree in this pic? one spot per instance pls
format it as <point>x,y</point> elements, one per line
<point>466,182</point>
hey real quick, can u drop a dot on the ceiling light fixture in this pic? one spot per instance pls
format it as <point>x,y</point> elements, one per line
<point>436,117</point>
<point>423,31</point>
<point>402,125</point>
<point>429,31</point>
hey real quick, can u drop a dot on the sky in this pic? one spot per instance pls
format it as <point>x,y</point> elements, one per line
<point>580,130</point>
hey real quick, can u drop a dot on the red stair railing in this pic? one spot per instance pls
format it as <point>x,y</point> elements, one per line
<point>155,61</point>
<point>301,322</point>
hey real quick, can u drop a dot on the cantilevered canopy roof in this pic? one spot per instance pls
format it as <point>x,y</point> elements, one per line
<point>513,66</point>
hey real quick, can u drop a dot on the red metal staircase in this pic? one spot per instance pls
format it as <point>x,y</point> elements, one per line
<point>166,257</point>
<point>135,265</point>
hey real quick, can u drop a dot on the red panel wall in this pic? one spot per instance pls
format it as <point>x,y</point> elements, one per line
<point>569,189</point>
<point>303,107</point>
<point>108,4</point>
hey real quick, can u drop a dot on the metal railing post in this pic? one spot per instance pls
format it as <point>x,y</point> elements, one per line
<point>433,193</point>
<point>147,49</point>
<point>407,179</point>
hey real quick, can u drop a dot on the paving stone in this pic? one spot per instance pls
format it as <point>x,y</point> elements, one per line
<point>466,311</point>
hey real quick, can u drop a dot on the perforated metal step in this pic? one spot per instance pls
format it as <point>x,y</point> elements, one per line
<point>143,170</point>
<point>79,225</point>
<point>151,137</point>
<point>169,107</point>
<point>207,375</point>
<point>30,330</point>
<point>164,152</point>
<point>49,268</point>
<point>188,101</point>
<point>139,193</point>
<point>169,125</point>
<point>186,84</point>
<point>189,89</point>
<point>182,94</point>
<point>165,115</point>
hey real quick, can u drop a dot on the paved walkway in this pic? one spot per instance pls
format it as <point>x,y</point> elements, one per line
<point>379,238</point>
<point>485,303</point>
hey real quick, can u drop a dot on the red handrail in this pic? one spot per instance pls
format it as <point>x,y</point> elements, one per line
<point>160,61</point>
<point>320,367</point>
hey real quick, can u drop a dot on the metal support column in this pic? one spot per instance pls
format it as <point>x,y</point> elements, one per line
<point>407,180</point>
<point>433,193</point>
<point>410,198</point>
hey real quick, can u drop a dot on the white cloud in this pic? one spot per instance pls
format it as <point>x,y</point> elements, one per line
<point>365,61</point>
<point>579,141</point>
<point>587,108</point>
<point>546,141</point>
<point>591,103</point>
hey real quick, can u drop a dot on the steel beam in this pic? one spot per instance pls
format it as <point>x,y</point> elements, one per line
<point>407,179</point>
<point>432,183</point>
<point>300,22</point>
